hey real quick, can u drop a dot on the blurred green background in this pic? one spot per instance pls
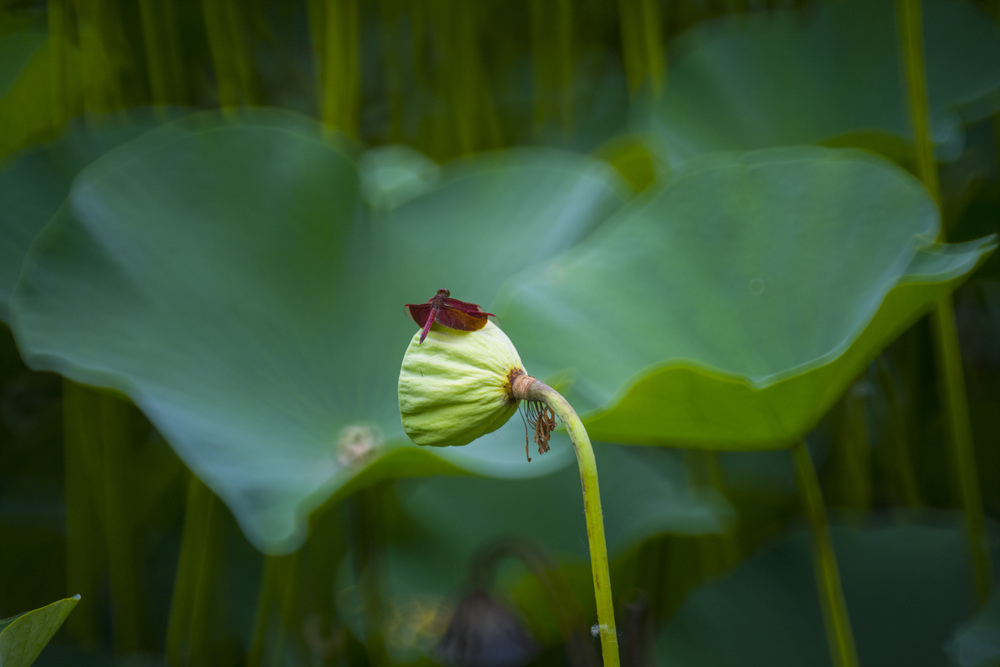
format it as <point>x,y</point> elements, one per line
<point>747,240</point>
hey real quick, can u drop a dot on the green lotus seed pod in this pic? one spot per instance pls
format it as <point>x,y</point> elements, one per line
<point>456,385</point>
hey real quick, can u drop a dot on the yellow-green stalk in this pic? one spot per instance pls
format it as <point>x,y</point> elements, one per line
<point>951,378</point>
<point>528,388</point>
<point>843,652</point>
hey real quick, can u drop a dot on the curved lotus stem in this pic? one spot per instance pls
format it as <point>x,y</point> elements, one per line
<point>843,652</point>
<point>955,405</point>
<point>527,388</point>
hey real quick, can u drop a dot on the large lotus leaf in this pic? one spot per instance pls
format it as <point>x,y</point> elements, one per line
<point>768,79</point>
<point>906,587</point>
<point>34,183</point>
<point>444,522</point>
<point>731,308</point>
<point>23,637</point>
<point>227,276</point>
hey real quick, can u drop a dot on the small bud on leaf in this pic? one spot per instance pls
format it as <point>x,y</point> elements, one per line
<point>456,386</point>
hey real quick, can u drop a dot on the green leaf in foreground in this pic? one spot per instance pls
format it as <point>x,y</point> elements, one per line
<point>761,79</point>
<point>731,308</point>
<point>24,636</point>
<point>906,586</point>
<point>226,274</point>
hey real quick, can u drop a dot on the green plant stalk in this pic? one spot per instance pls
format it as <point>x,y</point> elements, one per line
<point>911,32</point>
<point>631,50</point>
<point>721,551</point>
<point>183,593</point>
<point>97,442</point>
<point>711,559</point>
<point>204,594</point>
<point>895,440</point>
<point>461,77</point>
<point>230,58</point>
<point>280,593</point>
<point>946,350</point>
<point>340,65</point>
<point>90,60</point>
<point>60,27</point>
<point>102,90</point>
<point>327,545</point>
<point>108,65</point>
<point>542,62</point>
<point>563,26</point>
<point>552,43</point>
<point>416,55</point>
<point>287,583</point>
<point>838,626</point>
<point>242,61</point>
<point>655,559</point>
<point>391,22</point>
<point>119,530</point>
<point>473,124</point>
<point>321,559</point>
<point>459,80</point>
<point>642,45</point>
<point>262,617</point>
<point>192,584</point>
<point>162,52</point>
<point>956,416</point>
<point>861,451</point>
<point>155,51</point>
<point>85,556</point>
<point>279,590</point>
<point>852,487</point>
<point>656,60</point>
<point>728,542</point>
<point>528,388</point>
<point>367,540</point>
<point>315,11</point>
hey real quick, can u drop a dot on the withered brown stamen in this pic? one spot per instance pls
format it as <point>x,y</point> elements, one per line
<point>543,420</point>
<point>526,452</point>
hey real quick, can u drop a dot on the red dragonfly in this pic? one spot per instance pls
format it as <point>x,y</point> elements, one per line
<point>452,313</point>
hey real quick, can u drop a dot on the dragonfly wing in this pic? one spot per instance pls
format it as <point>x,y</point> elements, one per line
<point>418,313</point>
<point>464,306</point>
<point>463,321</point>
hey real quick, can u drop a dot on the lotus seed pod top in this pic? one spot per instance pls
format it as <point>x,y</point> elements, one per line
<point>456,386</point>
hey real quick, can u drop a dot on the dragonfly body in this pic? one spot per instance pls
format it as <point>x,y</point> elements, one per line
<point>449,312</point>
